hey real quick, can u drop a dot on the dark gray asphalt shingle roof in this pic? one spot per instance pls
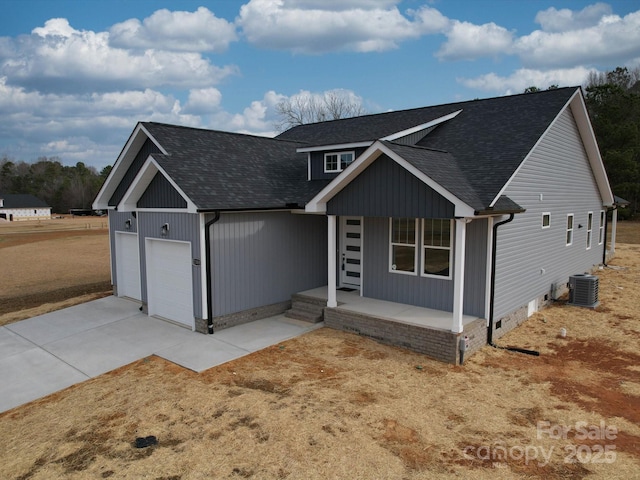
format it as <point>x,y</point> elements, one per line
<point>221,170</point>
<point>472,155</point>
<point>487,141</point>
<point>20,200</point>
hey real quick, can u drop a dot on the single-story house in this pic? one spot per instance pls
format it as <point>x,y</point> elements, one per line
<point>425,228</point>
<point>14,207</point>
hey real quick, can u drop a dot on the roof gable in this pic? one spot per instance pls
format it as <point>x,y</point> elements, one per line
<point>21,200</point>
<point>461,208</point>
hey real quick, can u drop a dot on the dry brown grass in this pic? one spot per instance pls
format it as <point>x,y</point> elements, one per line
<point>53,264</point>
<point>334,405</point>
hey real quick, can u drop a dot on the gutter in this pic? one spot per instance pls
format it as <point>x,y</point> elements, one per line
<point>207,241</point>
<point>493,292</point>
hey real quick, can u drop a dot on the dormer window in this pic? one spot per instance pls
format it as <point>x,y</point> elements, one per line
<point>337,161</point>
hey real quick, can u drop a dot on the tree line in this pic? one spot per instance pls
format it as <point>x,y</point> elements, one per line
<point>61,187</point>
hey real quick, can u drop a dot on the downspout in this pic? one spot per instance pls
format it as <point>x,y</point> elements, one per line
<point>606,222</point>
<point>493,291</point>
<point>207,238</point>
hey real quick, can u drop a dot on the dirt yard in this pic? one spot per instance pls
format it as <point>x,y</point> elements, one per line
<point>334,405</point>
<point>47,265</point>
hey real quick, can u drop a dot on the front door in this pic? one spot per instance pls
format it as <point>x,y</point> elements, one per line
<point>350,252</point>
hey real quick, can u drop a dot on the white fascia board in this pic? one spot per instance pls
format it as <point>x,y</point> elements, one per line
<point>340,146</point>
<point>579,110</point>
<point>424,126</point>
<point>141,183</point>
<point>122,164</point>
<point>318,204</point>
<point>581,115</point>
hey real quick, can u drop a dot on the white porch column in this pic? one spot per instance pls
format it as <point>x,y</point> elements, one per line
<point>458,275</point>
<point>331,257</point>
<point>614,226</point>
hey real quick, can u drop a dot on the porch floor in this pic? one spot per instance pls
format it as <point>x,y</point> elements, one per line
<point>395,312</point>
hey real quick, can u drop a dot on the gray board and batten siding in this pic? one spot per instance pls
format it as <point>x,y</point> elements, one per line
<point>385,189</point>
<point>161,194</point>
<point>380,283</point>
<point>262,258</point>
<point>556,178</point>
<point>147,149</point>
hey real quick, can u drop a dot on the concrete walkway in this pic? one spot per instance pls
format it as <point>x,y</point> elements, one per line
<point>51,352</point>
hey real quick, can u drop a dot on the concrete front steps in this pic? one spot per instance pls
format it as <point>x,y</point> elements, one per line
<point>308,309</point>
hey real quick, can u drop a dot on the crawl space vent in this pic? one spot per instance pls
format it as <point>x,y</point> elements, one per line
<point>583,290</point>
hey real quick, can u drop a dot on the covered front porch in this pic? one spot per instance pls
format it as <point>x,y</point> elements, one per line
<point>420,329</point>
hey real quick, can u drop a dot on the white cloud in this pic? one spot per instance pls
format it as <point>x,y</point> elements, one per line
<point>203,100</point>
<point>522,78</point>
<point>57,57</point>
<point>51,124</point>
<point>466,41</point>
<point>613,39</point>
<point>307,27</point>
<point>199,31</point>
<point>553,20</point>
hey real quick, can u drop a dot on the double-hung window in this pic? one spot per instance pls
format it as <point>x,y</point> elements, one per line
<point>570,229</point>
<point>589,229</point>
<point>601,228</point>
<point>436,243</point>
<point>403,245</point>
<point>337,161</point>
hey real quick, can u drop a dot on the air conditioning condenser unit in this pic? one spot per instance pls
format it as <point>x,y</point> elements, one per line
<point>583,290</point>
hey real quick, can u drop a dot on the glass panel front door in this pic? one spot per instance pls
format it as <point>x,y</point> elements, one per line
<point>350,252</point>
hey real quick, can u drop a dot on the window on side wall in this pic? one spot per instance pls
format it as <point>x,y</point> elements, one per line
<point>337,161</point>
<point>402,251</point>
<point>589,229</point>
<point>546,220</point>
<point>437,238</point>
<point>601,228</point>
<point>570,229</point>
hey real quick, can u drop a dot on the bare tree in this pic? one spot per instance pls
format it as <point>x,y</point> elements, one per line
<point>307,107</point>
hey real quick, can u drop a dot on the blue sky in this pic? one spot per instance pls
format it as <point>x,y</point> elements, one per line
<point>76,75</point>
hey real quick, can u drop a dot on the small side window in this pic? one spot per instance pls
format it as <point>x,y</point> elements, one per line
<point>601,228</point>
<point>589,229</point>
<point>546,220</point>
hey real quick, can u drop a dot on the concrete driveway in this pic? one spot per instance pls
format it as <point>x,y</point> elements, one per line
<point>51,352</point>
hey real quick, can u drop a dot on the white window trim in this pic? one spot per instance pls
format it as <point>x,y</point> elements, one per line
<point>423,255</point>
<point>589,230</point>
<point>569,243</point>
<point>601,227</point>
<point>546,214</point>
<point>351,152</point>
<point>415,246</point>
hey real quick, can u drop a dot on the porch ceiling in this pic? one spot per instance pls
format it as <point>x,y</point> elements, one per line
<point>395,312</point>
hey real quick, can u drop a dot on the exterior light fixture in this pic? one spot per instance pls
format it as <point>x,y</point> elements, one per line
<point>127,224</point>
<point>165,229</point>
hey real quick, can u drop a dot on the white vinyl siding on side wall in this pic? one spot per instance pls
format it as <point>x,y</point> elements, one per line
<point>555,179</point>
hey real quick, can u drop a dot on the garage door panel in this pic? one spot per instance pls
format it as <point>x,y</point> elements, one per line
<point>170,283</point>
<point>128,265</point>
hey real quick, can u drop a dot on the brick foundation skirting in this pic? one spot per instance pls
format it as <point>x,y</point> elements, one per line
<point>441,345</point>
<point>232,319</point>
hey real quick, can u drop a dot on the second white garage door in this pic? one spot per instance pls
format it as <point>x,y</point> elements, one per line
<point>169,282</point>
<point>127,265</point>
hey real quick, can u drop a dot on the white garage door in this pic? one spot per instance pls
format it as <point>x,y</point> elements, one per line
<point>128,265</point>
<point>169,282</point>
